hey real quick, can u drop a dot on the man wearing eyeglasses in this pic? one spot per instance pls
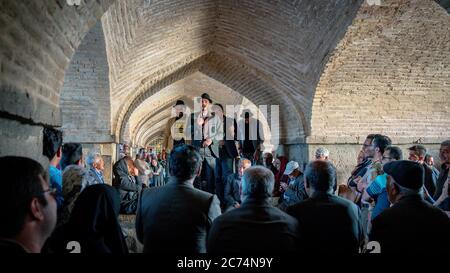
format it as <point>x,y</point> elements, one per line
<point>378,145</point>
<point>360,170</point>
<point>28,206</point>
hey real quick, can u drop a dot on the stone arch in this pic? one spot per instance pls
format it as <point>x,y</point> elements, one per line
<point>236,76</point>
<point>281,46</point>
<point>150,115</point>
<point>38,45</point>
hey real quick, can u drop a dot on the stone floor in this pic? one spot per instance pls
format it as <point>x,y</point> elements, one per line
<point>127,222</point>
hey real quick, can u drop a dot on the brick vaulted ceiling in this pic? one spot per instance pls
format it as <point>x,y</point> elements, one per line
<point>271,52</point>
<point>325,62</point>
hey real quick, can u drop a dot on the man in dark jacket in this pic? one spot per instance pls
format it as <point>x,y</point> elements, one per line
<point>227,151</point>
<point>293,192</point>
<point>411,225</point>
<point>256,226</point>
<point>28,206</point>
<point>125,173</point>
<point>204,127</point>
<point>417,154</point>
<point>177,217</point>
<point>444,155</point>
<point>250,134</point>
<point>233,186</point>
<point>328,223</point>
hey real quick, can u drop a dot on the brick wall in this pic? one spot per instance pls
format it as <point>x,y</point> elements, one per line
<point>19,139</point>
<point>287,42</point>
<point>85,97</point>
<point>37,41</point>
<point>389,74</point>
<point>272,52</point>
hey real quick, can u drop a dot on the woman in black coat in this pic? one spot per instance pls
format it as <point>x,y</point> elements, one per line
<point>93,226</point>
<point>125,173</point>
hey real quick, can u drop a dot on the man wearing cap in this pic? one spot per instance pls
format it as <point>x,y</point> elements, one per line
<point>205,127</point>
<point>176,126</point>
<point>294,192</point>
<point>417,153</point>
<point>410,225</point>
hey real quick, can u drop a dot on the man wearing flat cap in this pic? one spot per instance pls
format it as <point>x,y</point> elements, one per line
<point>205,127</point>
<point>410,225</point>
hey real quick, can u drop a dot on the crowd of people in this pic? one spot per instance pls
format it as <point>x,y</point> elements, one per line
<point>226,198</point>
<point>131,176</point>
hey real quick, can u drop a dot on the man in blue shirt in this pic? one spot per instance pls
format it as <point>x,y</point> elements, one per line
<point>52,149</point>
<point>377,189</point>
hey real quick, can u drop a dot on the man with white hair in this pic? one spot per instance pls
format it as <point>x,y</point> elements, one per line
<point>322,154</point>
<point>96,166</point>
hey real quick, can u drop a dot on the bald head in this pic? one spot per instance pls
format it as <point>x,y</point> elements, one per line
<point>257,183</point>
<point>320,175</point>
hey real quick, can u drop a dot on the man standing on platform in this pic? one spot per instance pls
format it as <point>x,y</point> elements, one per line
<point>204,128</point>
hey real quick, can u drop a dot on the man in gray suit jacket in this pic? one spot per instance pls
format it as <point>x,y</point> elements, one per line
<point>177,217</point>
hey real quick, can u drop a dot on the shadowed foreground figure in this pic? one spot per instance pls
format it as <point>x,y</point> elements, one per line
<point>328,223</point>
<point>410,225</point>
<point>256,226</point>
<point>27,206</point>
<point>177,217</point>
<point>93,223</point>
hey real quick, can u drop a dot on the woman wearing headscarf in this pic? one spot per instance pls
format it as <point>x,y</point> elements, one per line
<point>73,179</point>
<point>93,227</point>
<point>129,187</point>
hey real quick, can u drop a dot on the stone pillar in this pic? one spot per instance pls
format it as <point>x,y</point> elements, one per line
<point>20,139</point>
